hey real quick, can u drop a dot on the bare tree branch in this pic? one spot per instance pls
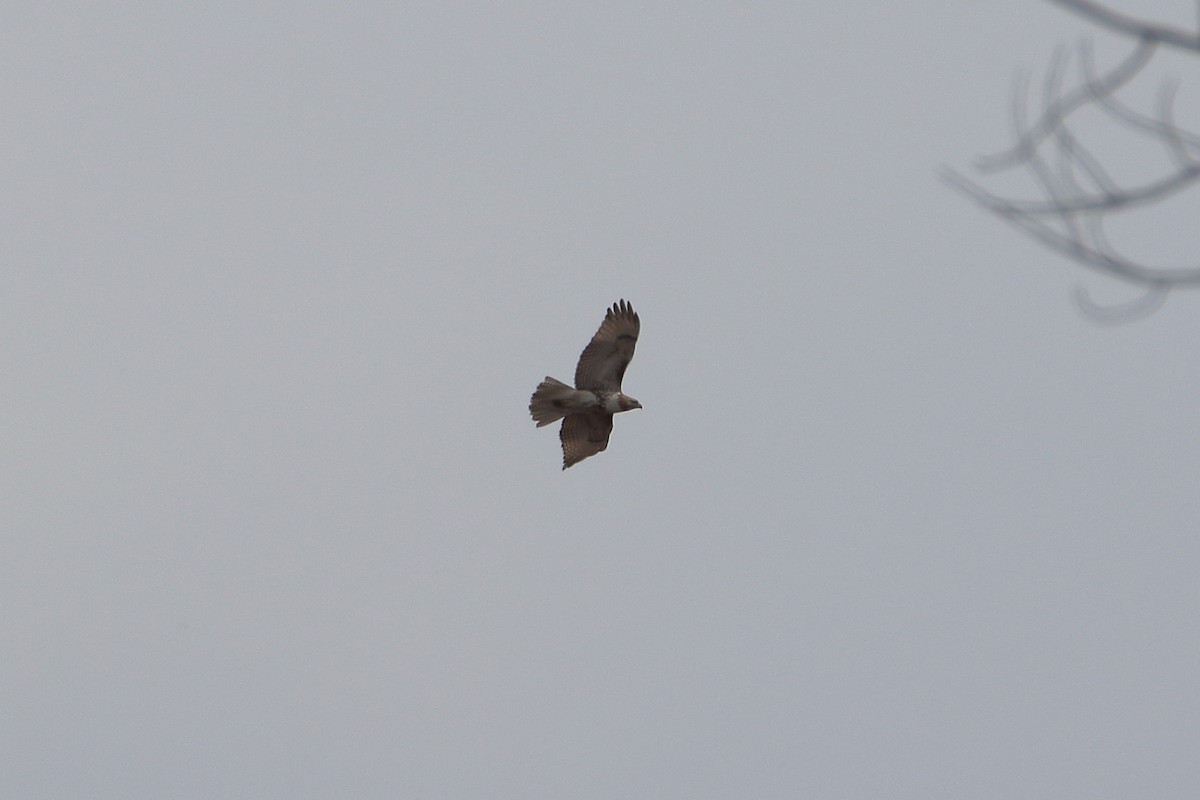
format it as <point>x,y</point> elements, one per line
<point>1029,140</point>
<point>1078,192</point>
<point>1131,26</point>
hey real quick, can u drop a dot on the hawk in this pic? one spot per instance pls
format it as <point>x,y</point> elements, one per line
<point>587,410</point>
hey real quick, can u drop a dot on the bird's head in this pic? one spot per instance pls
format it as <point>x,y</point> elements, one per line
<point>628,403</point>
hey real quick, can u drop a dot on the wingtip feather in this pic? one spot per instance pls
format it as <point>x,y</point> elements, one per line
<point>621,308</point>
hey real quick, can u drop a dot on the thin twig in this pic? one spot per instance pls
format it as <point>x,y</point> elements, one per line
<point>1132,26</point>
<point>1030,139</point>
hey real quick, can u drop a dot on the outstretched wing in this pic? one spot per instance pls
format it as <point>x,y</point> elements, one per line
<point>603,362</point>
<point>584,435</point>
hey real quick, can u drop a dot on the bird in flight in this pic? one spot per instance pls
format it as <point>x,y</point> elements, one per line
<point>587,410</point>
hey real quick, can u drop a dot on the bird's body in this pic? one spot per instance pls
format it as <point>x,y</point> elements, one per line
<point>557,400</point>
<point>587,408</point>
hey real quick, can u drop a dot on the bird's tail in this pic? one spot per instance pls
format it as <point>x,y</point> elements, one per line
<point>548,402</point>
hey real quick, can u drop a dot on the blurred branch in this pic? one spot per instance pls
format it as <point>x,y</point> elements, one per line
<point>1132,26</point>
<point>1078,192</point>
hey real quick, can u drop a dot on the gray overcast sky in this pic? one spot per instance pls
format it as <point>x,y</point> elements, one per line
<point>279,278</point>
